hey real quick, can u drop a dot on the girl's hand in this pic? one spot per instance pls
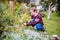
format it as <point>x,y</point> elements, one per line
<point>16,27</point>
<point>24,24</point>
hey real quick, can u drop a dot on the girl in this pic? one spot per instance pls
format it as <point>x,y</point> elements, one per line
<point>36,20</point>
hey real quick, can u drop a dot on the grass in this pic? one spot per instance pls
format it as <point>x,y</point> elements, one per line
<point>52,25</point>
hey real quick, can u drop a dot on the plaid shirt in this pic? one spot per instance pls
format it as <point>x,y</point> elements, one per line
<point>36,19</point>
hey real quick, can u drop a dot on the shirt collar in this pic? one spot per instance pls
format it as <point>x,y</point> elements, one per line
<point>36,14</point>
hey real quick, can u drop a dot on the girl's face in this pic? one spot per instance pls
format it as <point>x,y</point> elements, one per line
<point>33,13</point>
<point>31,10</point>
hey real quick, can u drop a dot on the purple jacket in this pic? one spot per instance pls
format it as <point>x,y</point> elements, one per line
<point>36,19</point>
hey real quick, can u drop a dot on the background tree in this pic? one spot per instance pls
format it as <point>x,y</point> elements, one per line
<point>58,1</point>
<point>49,3</point>
<point>11,4</point>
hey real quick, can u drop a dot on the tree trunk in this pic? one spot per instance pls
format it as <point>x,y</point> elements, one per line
<point>49,13</point>
<point>11,5</point>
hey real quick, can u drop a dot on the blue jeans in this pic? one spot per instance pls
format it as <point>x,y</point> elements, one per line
<point>39,27</point>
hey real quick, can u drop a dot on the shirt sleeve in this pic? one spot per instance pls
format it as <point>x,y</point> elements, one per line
<point>36,20</point>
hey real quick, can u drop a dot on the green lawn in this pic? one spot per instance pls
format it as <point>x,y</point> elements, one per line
<point>52,25</point>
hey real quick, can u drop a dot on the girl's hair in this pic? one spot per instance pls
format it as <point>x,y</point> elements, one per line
<point>34,10</point>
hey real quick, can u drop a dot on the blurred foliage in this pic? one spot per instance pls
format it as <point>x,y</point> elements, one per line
<point>2,8</point>
<point>13,22</point>
<point>58,7</point>
<point>7,19</point>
